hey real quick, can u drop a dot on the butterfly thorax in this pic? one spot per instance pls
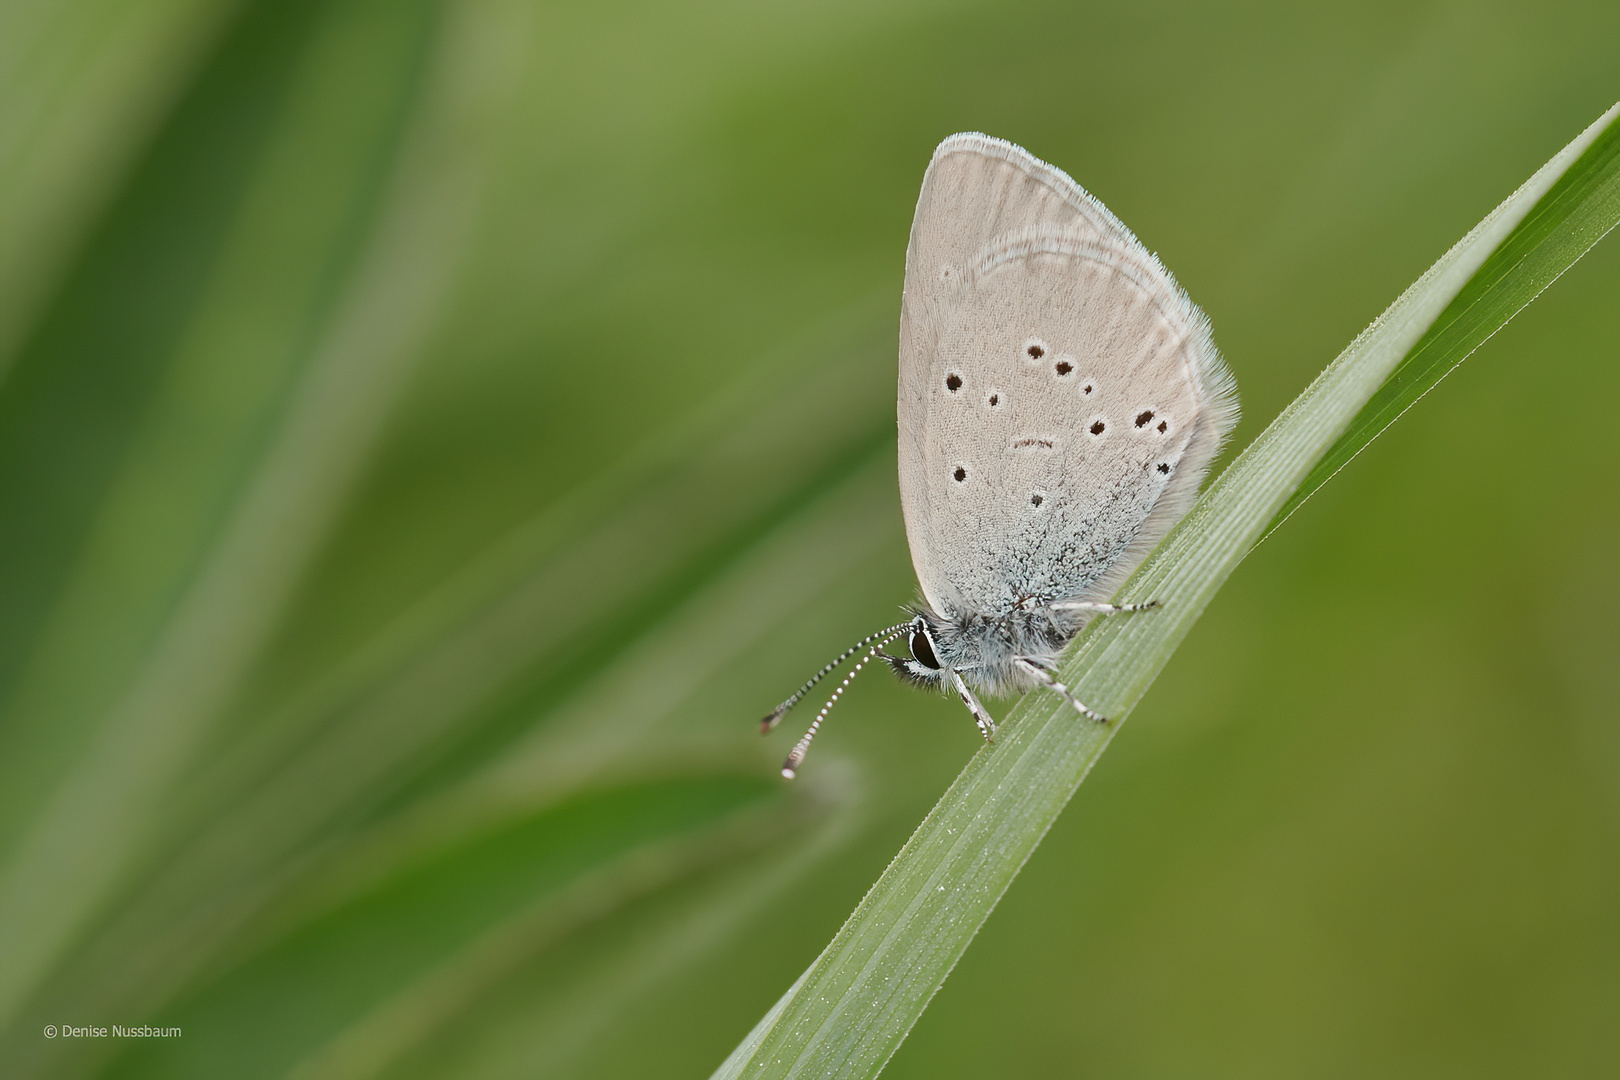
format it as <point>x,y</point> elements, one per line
<point>985,646</point>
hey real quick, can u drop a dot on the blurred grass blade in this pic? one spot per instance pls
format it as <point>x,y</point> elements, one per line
<point>82,84</point>
<point>244,848</point>
<point>330,279</point>
<point>472,1018</point>
<point>392,961</point>
<point>855,1004</point>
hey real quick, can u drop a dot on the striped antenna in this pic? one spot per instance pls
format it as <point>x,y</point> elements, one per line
<point>795,758</point>
<point>780,711</point>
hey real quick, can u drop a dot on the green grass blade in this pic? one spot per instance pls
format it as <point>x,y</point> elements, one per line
<point>852,1008</point>
<point>249,846</point>
<point>390,958</point>
<point>82,85</point>
<point>330,278</point>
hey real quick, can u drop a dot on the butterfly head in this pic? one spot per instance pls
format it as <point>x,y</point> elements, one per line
<point>923,666</point>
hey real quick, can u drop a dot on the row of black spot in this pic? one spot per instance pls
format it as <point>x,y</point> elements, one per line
<point>953,383</point>
<point>960,474</point>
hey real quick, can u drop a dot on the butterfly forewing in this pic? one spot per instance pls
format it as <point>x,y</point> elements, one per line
<point>1059,396</point>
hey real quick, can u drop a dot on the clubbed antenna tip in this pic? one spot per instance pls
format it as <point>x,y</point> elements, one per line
<point>772,720</point>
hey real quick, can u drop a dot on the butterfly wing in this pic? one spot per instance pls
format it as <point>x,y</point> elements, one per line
<point>1060,397</point>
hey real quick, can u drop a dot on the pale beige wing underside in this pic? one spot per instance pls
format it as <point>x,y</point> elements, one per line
<point>1060,398</point>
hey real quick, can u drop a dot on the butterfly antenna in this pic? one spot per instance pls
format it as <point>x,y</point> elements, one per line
<point>795,757</point>
<point>776,714</point>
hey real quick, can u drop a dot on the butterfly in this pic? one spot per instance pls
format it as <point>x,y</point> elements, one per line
<point>1060,402</point>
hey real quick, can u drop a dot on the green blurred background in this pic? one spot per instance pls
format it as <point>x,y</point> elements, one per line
<point>433,431</point>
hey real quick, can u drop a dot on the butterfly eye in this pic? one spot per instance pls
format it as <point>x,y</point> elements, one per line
<point>923,650</point>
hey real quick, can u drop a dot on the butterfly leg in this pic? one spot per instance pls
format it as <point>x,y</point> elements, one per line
<point>1043,675</point>
<point>1091,607</point>
<point>987,726</point>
